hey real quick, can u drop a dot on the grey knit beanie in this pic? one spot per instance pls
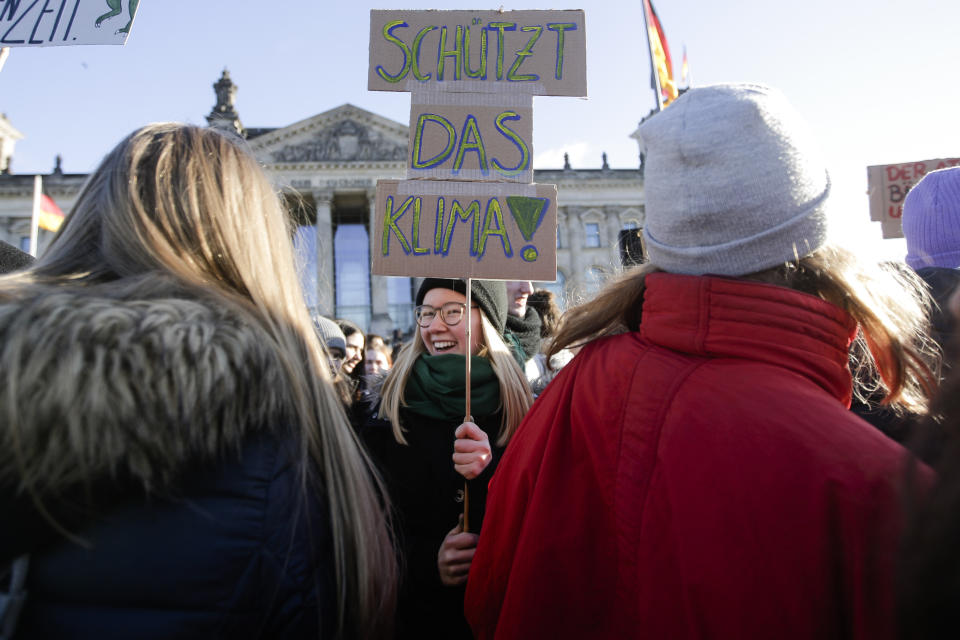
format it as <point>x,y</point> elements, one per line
<point>733,181</point>
<point>931,220</point>
<point>330,333</point>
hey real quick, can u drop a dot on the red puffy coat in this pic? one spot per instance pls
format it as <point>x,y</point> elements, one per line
<point>700,478</point>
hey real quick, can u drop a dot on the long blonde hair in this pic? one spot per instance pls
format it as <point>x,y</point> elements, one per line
<point>515,395</point>
<point>193,204</point>
<point>893,351</point>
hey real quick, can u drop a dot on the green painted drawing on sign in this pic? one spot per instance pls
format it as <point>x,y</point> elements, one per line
<point>115,10</point>
<point>528,212</point>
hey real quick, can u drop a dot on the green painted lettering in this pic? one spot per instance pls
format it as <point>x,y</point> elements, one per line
<point>500,27</point>
<point>522,55</point>
<point>416,161</point>
<point>481,73</point>
<point>416,54</point>
<point>494,215</point>
<point>417,249</point>
<point>457,213</point>
<point>456,52</point>
<point>389,37</point>
<point>438,233</point>
<point>560,28</point>
<point>524,162</point>
<point>390,224</point>
<point>470,140</point>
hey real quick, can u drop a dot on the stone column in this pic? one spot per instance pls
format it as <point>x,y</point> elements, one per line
<point>575,238</point>
<point>380,321</point>
<point>325,299</point>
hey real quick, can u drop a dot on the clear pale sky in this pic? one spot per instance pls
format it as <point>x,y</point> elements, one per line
<point>875,78</point>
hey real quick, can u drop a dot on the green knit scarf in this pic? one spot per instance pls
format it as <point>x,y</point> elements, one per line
<point>436,388</point>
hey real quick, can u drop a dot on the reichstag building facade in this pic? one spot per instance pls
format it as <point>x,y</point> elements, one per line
<point>327,167</point>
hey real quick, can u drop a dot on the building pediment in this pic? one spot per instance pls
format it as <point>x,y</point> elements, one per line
<point>344,134</point>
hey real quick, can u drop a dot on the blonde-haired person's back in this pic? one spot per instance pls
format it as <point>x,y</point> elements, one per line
<point>171,453</point>
<point>697,463</point>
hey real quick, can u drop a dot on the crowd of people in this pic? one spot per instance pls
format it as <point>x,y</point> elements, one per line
<point>186,452</point>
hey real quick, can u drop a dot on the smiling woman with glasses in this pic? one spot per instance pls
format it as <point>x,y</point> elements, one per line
<point>420,424</point>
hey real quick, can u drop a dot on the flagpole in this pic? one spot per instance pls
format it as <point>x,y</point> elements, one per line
<point>653,70</point>
<point>35,214</point>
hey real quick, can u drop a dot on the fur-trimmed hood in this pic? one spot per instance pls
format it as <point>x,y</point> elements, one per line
<point>95,386</point>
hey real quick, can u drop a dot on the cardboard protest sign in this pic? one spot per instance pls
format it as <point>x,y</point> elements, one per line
<point>888,185</point>
<point>472,75</point>
<point>518,52</point>
<point>450,229</point>
<point>31,23</point>
<point>471,137</point>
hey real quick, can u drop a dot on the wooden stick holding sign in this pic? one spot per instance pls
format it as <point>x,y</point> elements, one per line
<point>468,416</point>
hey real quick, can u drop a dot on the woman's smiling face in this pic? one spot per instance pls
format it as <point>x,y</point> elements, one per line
<point>440,338</point>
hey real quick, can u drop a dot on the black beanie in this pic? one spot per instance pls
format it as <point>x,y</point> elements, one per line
<point>489,295</point>
<point>12,259</point>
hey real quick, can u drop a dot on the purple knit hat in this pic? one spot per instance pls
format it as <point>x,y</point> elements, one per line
<point>931,220</point>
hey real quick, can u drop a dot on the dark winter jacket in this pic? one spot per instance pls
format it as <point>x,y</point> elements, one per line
<point>12,258</point>
<point>427,495</point>
<point>156,432</point>
<point>942,282</point>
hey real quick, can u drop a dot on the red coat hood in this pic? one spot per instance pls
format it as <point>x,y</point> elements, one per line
<point>718,317</point>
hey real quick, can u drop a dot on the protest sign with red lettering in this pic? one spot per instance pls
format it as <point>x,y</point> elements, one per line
<point>888,185</point>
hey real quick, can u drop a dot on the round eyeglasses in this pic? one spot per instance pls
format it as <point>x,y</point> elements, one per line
<point>450,312</point>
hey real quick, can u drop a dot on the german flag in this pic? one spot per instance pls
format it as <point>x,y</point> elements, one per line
<point>50,217</point>
<point>660,53</point>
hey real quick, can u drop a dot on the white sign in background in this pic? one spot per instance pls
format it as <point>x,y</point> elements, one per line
<point>48,23</point>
